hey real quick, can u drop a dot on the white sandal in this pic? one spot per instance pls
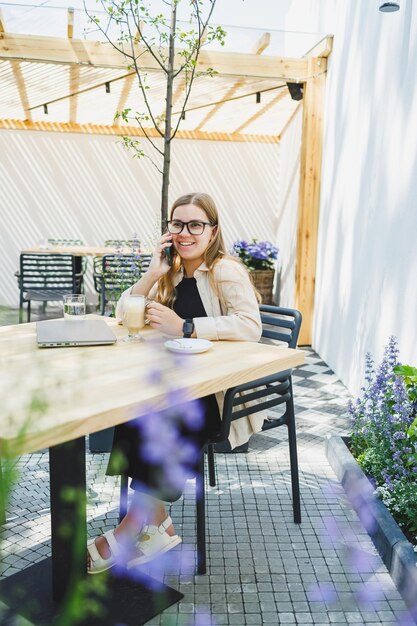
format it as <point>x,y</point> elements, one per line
<point>153,541</point>
<point>99,564</point>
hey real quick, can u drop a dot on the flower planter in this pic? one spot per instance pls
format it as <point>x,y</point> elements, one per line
<point>264,283</point>
<point>394,548</point>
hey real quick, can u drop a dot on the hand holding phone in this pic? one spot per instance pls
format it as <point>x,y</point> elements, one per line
<point>168,256</point>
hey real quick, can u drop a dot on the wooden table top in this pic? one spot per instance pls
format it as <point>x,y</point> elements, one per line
<point>81,250</point>
<point>52,395</point>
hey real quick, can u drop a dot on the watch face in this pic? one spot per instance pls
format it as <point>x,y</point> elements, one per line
<point>188,328</point>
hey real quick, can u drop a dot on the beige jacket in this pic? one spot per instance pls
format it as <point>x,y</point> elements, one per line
<point>233,315</point>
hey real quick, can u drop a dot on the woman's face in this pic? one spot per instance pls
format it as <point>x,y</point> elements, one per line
<point>191,247</point>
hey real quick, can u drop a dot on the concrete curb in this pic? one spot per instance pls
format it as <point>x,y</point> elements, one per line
<point>395,550</point>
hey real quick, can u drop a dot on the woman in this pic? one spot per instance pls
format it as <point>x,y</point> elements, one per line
<point>203,293</point>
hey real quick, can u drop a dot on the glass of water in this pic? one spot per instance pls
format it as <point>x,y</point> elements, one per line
<point>74,307</point>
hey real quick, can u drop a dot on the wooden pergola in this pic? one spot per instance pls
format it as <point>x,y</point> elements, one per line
<point>76,86</point>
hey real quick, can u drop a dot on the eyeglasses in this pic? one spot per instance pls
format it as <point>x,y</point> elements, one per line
<point>194,227</point>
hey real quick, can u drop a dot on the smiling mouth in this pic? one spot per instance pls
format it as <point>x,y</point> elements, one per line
<point>185,244</point>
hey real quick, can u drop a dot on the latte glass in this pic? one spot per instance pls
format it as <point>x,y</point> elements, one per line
<point>133,316</point>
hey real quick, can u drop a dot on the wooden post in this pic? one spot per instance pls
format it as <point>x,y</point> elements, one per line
<point>70,23</point>
<point>2,23</point>
<point>309,196</point>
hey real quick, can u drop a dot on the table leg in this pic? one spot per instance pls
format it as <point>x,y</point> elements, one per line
<point>68,515</point>
<point>201,516</point>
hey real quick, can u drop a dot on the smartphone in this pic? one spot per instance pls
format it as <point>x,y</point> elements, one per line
<point>168,255</point>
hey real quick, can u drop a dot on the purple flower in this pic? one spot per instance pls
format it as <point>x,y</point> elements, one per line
<point>257,255</point>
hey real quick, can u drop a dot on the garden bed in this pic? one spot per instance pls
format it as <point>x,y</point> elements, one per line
<point>395,550</point>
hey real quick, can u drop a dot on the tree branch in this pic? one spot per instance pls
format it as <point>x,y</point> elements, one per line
<point>104,32</point>
<point>194,66</point>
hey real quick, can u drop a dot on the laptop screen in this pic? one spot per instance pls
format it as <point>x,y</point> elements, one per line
<point>67,333</point>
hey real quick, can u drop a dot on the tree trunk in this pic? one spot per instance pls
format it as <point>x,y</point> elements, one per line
<point>168,121</point>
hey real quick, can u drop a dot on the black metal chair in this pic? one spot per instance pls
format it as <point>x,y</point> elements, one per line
<point>282,326</point>
<point>113,273</point>
<point>45,278</point>
<point>80,262</point>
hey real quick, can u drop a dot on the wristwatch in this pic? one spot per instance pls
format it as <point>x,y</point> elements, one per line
<point>188,328</point>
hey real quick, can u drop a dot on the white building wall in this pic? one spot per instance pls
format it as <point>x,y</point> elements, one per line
<point>289,181</point>
<point>88,187</point>
<point>367,260</point>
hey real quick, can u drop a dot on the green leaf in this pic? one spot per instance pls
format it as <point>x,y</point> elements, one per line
<point>412,430</point>
<point>406,370</point>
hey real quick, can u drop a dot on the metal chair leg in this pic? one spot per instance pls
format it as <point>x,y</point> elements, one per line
<point>211,465</point>
<point>292,443</point>
<point>28,311</point>
<point>201,517</point>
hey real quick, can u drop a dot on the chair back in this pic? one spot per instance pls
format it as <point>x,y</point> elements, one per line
<point>48,272</point>
<point>280,324</point>
<point>117,272</point>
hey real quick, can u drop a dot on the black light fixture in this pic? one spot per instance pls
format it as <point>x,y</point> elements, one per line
<point>45,109</point>
<point>107,87</point>
<point>296,90</point>
<point>389,6</point>
<point>258,97</point>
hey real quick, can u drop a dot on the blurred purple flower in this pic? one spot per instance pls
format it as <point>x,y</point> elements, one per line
<point>369,593</point>
<point>360,560</point>
<point>322,592</point>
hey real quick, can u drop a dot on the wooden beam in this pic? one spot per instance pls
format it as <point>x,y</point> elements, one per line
<point>282,94</point>
<point>131,131</point>
<point>35,48</point>
<point>127,84</point>
<point>322,49</point>
<point>229,94</point>
<point>124,95</point>
<point>74,80</point>
<point>258,49</point>
<point>21,86</point>
<point>262,44</point>
<point>179,90</point>
<point>2,22</point>
<point>70,23</point>
<point>309,201</point>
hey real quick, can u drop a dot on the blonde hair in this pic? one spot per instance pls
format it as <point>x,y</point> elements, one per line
<point>214,251</point>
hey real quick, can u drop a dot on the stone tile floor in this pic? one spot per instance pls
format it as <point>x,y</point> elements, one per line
<point>262,568</point>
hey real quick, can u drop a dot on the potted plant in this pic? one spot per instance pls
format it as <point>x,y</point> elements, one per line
<point>260,259</point>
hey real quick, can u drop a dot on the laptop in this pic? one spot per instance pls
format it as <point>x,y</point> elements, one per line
<point>67,333</point>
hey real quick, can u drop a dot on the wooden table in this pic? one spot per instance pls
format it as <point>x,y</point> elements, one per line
<point>84,390</point>
<point>81,250</point>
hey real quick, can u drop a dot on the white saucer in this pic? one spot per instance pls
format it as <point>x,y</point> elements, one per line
<point>188,346</point>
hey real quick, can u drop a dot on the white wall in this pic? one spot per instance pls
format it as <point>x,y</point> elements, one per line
<point>289,180</point>
<point>88,187</point>
<point>367,261</point>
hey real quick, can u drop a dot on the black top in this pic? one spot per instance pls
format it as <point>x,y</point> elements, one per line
<point>188,303</point>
